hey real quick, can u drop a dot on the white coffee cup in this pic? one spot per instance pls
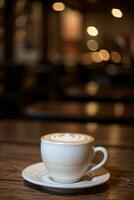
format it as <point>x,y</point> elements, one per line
<point>68,156</point>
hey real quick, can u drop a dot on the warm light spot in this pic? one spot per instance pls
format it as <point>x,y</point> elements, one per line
<point>104,55</point>
<point>92,88</point>
<point>114,133</point>
<point>92,45</point>
<point>71,27</point>
<point>92,127</point>
<point>2,3</point>
<point>85,59</point>
<point>116,57</point>
<point>126,62</point>
<point>96,57</point>
<point>119,109</point>
<point>92,108</point>
<point>116,12</point>
<point>111,70</point>
<point>92,30</point>
<point>58,6</point>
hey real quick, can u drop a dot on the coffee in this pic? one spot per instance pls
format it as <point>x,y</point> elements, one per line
<point>68,156</point>
<point>68,138</point>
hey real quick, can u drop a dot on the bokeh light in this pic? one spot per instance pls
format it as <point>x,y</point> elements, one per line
<point>58,6</point>
<point>92,88</point>
<point>92,127</point>
<point>115,57</point>
<point>116,12</point>
<point>126,62</point>
<point>104,54</point>
<point>2,4</point>
<point>85,58</point>
<point>92,108</point>
<point>96,57</point>
<point>119,109</point>
<point>92,45</point>
<point>92,30</point>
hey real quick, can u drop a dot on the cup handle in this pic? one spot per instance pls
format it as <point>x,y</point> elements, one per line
<point>101,163</point>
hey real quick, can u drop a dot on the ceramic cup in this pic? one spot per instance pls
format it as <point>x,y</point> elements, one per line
<point>68,156</point>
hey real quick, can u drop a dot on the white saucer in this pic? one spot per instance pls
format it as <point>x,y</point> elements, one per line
<point>37,174</point>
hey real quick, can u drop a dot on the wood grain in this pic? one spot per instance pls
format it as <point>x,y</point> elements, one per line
<point>17,156</point>
<point>20,147</point>
<point>30,132</point>
<point>22,190</point>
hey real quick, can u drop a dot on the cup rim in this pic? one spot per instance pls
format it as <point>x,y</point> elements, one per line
<point>65,143</point>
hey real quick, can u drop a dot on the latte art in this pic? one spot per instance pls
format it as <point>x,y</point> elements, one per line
<point>67,138</point>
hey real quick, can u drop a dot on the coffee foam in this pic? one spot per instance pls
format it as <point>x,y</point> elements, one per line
<point>72,138</point>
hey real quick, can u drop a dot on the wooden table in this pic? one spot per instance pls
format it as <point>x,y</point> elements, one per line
<point>19,147</point>
<point>81,111</point>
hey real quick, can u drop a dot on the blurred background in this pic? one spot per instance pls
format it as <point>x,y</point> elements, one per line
<point>70,50</point>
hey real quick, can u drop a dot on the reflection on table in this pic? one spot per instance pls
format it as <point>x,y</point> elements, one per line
<point>92,91</point>
<point>83,112</point>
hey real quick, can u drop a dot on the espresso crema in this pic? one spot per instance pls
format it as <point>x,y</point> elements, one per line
<point>67,138</point>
